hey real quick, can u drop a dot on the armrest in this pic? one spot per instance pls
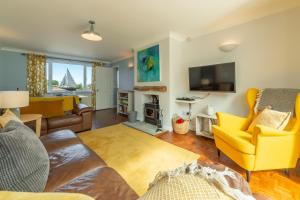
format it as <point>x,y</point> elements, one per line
<point>267,132</point>
<point>274,148</point>
<point>270,132</point>
<point>231,121</point>
<point>82,108</point>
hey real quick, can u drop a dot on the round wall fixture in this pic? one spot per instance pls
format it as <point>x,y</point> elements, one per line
<point>228,46</point>
<point>91,34</point>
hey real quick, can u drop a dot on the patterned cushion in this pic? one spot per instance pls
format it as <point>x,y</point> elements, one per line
<point>198,180</point>
<point>186,186</point>
<point>24,162</point>
<point>8,116</point>
<point>272,119</point>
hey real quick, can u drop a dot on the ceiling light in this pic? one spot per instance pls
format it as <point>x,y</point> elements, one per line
<point>228,46</point>
<point>91,34</point>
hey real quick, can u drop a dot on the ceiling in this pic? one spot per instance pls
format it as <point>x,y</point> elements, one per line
<point>54,26</point>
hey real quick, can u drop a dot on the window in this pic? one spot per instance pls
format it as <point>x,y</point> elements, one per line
<point>65,76</point>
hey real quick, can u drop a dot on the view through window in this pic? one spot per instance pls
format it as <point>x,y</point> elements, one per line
<point>65,76</point>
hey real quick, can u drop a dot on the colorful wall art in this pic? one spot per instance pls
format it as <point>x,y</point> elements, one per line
<point>148,66</point>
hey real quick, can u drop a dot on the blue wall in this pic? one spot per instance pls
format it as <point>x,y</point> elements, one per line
<point>126,75</point>
<point>12,71</point>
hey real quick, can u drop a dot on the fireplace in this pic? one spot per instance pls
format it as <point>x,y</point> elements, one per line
<point>152,111</point>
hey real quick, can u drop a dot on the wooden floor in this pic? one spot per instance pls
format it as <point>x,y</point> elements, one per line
<point>108,117</point>
<point>270,183</point>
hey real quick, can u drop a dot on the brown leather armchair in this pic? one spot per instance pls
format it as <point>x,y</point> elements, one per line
<point>80,119</point>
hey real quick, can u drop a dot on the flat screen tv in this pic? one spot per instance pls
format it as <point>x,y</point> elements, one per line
<point>213,78</point>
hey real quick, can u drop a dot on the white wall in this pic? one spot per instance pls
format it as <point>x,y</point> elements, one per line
<point>268,56</point>
<point>294,42</point>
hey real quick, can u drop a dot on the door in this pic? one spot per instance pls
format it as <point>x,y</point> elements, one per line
<point>104,88</point>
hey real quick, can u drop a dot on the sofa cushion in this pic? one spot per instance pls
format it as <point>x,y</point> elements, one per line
<point>59,139</point>
<point>8,116</point>
<point>68,101</point>
<point>239,140</point>
<point>102,183</point>
<point>70,162</point>
<point>24,162</point>
<point>64,121</point>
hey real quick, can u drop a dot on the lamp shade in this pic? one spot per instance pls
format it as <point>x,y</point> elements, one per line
<point>91,34</point>
<point>14,99</point>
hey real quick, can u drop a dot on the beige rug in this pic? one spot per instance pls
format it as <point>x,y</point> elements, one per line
<point>137,156</point>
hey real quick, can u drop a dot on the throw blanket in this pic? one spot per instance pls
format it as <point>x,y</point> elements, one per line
<point>227,180</point>
<point>282,100</point>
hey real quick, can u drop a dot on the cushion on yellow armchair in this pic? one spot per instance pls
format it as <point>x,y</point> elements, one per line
<point>272,119</point>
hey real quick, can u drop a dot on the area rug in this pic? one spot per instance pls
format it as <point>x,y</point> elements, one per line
<point>135,155</point>
<point>145,127</point>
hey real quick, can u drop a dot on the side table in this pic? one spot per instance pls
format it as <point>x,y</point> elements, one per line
<point>33,117</point>
<point>204,124</point>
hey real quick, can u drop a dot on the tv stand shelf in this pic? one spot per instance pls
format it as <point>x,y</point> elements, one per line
<point>189,102</point>
<point>204,124</point>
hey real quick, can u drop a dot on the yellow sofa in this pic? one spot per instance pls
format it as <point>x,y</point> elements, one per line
<point>263,149</point>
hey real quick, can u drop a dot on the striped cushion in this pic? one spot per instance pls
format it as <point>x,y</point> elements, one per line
<point>24,162</point>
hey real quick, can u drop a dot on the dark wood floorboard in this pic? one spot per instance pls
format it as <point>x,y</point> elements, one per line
<point>107,117</point>
<point>271,183</point>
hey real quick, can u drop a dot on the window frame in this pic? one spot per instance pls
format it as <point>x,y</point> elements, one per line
<point>49,75</point>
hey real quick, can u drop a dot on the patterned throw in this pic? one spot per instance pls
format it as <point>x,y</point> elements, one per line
<point>282,100</point>
<point>195,182</point>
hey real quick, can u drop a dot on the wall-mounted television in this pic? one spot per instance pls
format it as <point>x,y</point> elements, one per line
<point>213,78</point>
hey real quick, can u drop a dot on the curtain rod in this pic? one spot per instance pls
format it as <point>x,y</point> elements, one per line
<point>69,59</point>
<point>51,55</point>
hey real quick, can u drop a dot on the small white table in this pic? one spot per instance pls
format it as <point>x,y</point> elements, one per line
<point>204,124</point>
<point>33,117</point>
<point>190,104</point>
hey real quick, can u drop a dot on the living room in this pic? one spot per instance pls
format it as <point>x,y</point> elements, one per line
<point>121,99</point>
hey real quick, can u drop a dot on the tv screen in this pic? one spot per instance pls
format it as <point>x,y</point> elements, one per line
<point>219,77</point>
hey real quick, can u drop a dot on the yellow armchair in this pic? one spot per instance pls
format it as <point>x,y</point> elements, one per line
<point>264,149</point>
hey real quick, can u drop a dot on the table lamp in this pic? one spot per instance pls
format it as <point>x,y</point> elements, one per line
<point>14,100</point>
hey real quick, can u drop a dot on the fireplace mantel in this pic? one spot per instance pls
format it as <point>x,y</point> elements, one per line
<point>151,88</point>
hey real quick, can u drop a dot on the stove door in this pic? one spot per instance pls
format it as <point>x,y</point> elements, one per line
<point>149,113</point>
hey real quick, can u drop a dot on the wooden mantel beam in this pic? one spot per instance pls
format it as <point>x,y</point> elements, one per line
<point>151,88</point>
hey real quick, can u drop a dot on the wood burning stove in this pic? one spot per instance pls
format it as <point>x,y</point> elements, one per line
<point>152,111</point>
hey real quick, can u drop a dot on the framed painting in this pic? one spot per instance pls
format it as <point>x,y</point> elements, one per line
<point>148,65</point>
